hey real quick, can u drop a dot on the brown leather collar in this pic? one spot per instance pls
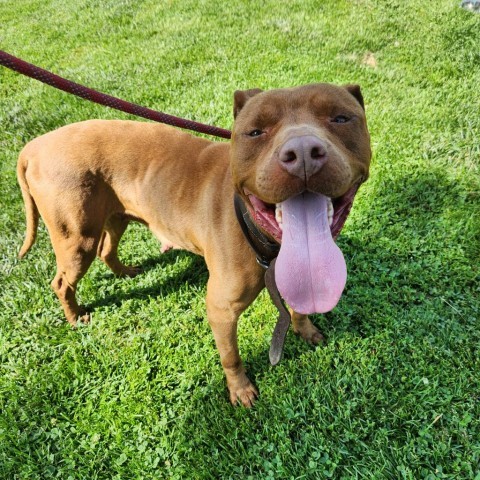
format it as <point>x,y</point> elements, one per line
<point>265,250</point>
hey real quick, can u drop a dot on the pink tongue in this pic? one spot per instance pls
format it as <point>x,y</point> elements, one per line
<point>310,270</point>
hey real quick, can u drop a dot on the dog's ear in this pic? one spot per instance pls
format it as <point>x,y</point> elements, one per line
<point>240,98</point>
<point>355,91</point>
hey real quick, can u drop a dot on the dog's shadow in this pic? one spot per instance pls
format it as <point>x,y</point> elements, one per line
<point>166,273</point>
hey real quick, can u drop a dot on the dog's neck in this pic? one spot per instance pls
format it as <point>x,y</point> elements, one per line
<point>265,249</point>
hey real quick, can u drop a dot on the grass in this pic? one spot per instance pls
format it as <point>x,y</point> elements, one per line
<point>139,393</point>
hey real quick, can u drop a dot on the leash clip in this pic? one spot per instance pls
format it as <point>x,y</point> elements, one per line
<point>263,263</point>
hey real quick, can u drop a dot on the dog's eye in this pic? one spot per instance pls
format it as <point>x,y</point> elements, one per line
<point>341,119</point>
<point>255,133</point>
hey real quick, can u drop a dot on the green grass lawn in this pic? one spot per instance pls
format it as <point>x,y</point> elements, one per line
<point>139,393</point>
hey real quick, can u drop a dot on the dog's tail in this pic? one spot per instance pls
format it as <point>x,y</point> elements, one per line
<point>31,209</point>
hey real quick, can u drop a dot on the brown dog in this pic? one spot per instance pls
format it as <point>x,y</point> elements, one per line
<point>292,150</point>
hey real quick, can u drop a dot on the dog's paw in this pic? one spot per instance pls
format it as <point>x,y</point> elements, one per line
<point>130,271</point>
<point>85,318</point>
<point>245,395</point>
<point>82,316</point>
<point>310,333</point>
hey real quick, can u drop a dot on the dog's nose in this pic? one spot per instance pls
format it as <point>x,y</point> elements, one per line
<point>303,156</point>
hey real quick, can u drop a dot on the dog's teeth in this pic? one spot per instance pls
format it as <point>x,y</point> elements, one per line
<point>278,215</point>
<point>330,212</point>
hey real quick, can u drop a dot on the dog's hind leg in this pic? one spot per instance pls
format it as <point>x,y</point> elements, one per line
<point>74,257</point>
<point>107,249</point>
<point>75,233</point>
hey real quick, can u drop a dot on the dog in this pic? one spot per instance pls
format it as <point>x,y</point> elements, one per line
<point>294,156</point>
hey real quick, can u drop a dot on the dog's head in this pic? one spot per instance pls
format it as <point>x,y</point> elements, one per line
<point>298,156</point>
<point>312,138</point>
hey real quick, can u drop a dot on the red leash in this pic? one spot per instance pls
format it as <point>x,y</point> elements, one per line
<point>20,66</point>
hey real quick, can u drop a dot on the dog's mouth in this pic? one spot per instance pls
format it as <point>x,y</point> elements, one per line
<point>310,270</point>
<point>269,217</point>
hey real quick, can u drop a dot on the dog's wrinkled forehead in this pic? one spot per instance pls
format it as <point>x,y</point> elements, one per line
<point>256,108</point>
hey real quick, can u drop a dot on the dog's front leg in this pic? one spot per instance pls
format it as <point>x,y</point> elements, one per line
<point>223,313</point>
<point>304,327</point>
